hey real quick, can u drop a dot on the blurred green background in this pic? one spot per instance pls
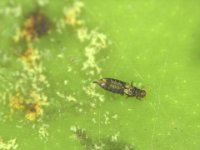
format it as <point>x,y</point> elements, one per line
<point>154,43</point>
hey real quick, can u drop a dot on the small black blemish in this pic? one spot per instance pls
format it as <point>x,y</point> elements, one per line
<point>31,107</point>
<point>120,87</point>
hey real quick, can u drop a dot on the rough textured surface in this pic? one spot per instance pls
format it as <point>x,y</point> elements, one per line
<point>46,88</point>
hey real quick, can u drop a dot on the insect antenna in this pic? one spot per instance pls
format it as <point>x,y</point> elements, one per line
<point>95,82</point>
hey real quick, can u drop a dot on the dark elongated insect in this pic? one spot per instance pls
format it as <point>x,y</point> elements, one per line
<point>121,87</point>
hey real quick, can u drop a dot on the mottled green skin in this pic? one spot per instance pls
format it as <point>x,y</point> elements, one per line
<point>155,42</point>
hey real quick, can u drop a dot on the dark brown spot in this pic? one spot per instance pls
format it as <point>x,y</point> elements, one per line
<point>31,107</point>
<point>36,25</point>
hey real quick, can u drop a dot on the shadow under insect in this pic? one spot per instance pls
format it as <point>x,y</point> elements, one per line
<point>100,144</point>
<point>120,87</point>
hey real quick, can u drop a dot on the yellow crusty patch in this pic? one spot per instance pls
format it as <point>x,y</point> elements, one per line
<point>28,31</point>
<point>33,110</point>
<point>30,98</point>
<point>29,57</point>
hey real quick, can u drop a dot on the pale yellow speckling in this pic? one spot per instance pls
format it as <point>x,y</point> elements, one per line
<point>115,117</point>
<point>33,76</point>
<point>83,34</point>
<point>90,63</point>
<point>115,137</point>
<point>94,120</point>
<point>72,14</point>
<point>60,56</point>
<point>3,98</point>
<point>93,105</point>
<point>73,128</point>
<point>70,98</point>
<point>61,95</point>
<point>17,36</point>
<point>65,82</point>
<point>42,2</point>
<point>43,132</point>
<point>69,69</point>
<point>90,90</point>
<point>15,11</point>
<point>96,40</point>
<point>16,103</point>
<point>8,145</point>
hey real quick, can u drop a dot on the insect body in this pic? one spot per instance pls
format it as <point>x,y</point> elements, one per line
<point>120,87</point>
<point>113,85</point>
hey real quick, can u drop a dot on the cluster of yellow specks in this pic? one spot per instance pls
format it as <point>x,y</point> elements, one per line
<point>3,98</point>
<point>36,25</point>
<point>28,31</point>
<point>32,106</point>
<point>97,41</point>
<point>8,145</point>
<point>72,14</point>
<point>43,132</point>
<point>71,98</point>
<point>30,97</point>
<point>34,110</point>
<point>106,118</point>
<point>42,2</point>
<point>90,91</point>
<point>29,57</point>
<point>16,102</point>
<point>32,75</point>
<point>11,10</point>
<point>114,138</point>
<point>83,34</point>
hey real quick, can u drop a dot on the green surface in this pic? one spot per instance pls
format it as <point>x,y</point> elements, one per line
<point>154,43</point>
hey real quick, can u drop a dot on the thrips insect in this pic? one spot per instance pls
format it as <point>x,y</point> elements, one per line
<point>121,87</point>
